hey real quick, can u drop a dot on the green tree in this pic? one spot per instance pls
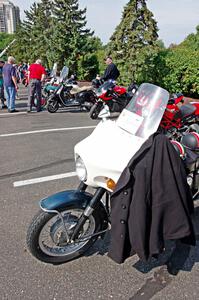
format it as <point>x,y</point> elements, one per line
<point>34,32</point>
<point>70,37</point>
<point>88,63</point>
<point>42,32</point>
<point>5,40</point>
<point>192,41</point>
<point>177,68</point>
<point>24,43</point>
<point>133,44</point>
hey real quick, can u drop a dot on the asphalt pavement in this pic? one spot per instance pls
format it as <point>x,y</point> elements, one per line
<point>38,145</point>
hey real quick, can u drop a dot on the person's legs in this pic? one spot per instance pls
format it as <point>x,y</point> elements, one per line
<point>31,94</point>
<point>12,93</point>
<point>7,95</point>
<point>38,93</point>
<point>2,99</point>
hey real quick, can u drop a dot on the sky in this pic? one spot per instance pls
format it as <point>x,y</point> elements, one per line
<point>176,18</point>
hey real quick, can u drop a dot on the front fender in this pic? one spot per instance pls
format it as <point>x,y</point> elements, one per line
<point>69,199</point>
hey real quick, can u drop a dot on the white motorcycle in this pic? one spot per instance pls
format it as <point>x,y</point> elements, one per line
<point>69,222</point>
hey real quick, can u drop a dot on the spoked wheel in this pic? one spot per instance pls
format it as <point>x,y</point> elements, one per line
<point>95,110</point>
<point>49,240</point>
<point>52,106</point>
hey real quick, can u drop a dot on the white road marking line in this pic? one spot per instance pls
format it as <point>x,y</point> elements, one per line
<point>43,179</point>
<point>13,114</point>
<point>45,130</point>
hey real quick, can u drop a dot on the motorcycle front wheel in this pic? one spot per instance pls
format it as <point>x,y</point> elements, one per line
<point>46,236</point>
<point>52,106</point>
<point>95,110</point>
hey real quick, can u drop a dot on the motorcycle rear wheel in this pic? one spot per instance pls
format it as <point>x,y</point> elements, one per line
<point>95,110</point>
<point>52,106</point>
<point>46,236</point>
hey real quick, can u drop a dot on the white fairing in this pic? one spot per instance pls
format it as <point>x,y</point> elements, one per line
<point>107,151</point>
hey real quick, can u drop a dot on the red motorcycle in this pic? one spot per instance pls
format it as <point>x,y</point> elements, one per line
<point>176,116</point>
<point>178,120</point>
<point>116,97</point>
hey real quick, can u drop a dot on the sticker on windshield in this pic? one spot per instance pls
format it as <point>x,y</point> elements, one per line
<point>129,121</point>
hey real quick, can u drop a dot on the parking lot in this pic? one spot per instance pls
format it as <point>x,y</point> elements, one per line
<point>37,160</point>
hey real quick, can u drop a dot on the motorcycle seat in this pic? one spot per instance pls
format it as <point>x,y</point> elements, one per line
<point>77,89</point>
<point>187,110</point>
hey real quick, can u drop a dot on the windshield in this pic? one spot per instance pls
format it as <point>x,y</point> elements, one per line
<point>143,114</point>
<point>54,70</point>
<point>64,73</point>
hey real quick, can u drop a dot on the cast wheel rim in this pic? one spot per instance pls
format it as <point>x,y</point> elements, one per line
<point>52,239</point>
<point>52,106</point>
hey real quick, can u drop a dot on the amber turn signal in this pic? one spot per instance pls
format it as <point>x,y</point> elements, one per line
<point>110,184</point>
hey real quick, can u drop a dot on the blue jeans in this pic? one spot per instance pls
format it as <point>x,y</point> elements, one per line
<point>10,94</point>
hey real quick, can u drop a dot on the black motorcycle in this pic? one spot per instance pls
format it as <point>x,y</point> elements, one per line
<point>69,95</point>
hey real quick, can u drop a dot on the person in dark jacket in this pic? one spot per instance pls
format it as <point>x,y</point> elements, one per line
<point>151,203</point>
<point>111,71</point>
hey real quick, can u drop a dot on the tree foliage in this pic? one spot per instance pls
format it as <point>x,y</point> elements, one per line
<point>34,32</point>
<point>177,68</point>
<point>133,44</point>
<point>55,31</point>
<point>5,40</point>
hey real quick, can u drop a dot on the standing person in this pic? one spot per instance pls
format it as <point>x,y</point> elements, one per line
<point>36,74</point>
<point>10,83</point>
<point>111,71</point>
<point>2,99</point>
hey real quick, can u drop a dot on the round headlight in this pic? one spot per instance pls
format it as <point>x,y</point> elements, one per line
<point>81,169</point>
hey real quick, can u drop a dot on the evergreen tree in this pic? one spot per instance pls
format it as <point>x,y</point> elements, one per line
<point>42,32</point>
<point>70,37</point>
<point>23,45</point>
<point>88,63</point>
<point>134,41</point>
<point>34,32</point>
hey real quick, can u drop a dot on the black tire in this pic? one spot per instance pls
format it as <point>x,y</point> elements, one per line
<point>95,110</point>
<point>35,230</point>
<point>52,106</point>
